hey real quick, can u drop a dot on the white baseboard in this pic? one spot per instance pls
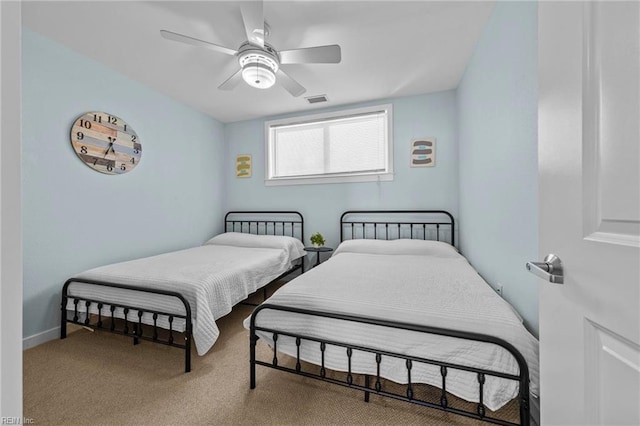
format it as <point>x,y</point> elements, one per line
<point>40,338</point>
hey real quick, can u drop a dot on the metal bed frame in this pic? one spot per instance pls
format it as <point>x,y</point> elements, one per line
<point>382,229</point>
<point>290,223</point>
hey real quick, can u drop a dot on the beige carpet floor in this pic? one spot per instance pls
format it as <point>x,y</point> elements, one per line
<point>100,378</point>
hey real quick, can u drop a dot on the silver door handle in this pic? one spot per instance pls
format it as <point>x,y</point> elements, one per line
<point>550,269</point>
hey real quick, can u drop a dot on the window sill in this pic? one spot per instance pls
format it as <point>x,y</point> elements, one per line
<point>383,177</point>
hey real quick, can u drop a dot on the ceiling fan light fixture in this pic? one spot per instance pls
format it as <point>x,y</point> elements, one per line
<point>258,75</point>
<point>258,68</point>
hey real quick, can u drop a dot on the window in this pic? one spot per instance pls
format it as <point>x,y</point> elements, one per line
<point>345,146</point>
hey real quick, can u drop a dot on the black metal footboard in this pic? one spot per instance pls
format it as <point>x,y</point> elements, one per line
<point>480,413</point>
<point>131,327</point>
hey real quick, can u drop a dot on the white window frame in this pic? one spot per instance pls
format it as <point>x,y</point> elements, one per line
<point>386,175</point>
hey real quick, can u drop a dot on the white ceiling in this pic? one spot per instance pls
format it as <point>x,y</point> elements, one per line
<point>389,49</point>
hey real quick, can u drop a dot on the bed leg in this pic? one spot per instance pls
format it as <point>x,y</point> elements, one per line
<point>136,332</point>
<point>187,353</point>
<point>525,413</point>
<point>252,360</point>
<point>366,385</point>
<point>63,318</point>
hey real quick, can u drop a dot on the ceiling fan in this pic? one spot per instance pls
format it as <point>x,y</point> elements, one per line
<point>259,61</point>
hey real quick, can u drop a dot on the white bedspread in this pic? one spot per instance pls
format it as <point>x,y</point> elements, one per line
<point>438,291</point>
<point>213,278</point>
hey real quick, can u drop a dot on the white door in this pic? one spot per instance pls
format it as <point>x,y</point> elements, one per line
<point>589,183</point>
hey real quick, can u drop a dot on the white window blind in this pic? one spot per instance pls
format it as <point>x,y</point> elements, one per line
<point>336,145</point>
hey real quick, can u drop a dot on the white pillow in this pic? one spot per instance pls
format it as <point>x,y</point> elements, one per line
<point>292,246</point>
<point>398,247</point>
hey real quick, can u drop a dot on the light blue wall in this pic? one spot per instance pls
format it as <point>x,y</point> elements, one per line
<point>321,204</point>
<point>497,134</point>
<point>75,218</point>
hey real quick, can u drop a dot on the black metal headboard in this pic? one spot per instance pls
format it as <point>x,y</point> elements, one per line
<point>393,224</point>
<point>290,223</point>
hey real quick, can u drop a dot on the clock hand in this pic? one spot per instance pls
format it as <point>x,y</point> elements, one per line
<point>110,147</point>
<point>111,142</point>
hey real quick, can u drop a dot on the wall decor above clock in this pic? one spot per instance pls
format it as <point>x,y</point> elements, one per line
<point>106,143</point>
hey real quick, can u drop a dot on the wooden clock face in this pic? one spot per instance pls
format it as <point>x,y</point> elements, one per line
<point>106,143</point>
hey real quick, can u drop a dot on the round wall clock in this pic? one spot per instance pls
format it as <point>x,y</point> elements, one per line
<point>106,143</point>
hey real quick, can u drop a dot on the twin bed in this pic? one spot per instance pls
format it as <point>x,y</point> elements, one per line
<point>395,302</point>
<point>398,302</point>
<point>185,291</point>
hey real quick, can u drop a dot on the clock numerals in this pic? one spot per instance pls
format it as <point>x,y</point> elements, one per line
<point>109,167</point>
<point>133,160</point>
<point>95,160</point>
<point>97,118</point>
<point>80,136</point>
<point>83,149</point>
<point>134,138</point>
<point>86,124</point>
<point>113,120</point>
<point>125,128</point>
<point>123,167</point>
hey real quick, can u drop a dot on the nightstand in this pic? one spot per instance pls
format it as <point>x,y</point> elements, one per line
<point>317,251</point>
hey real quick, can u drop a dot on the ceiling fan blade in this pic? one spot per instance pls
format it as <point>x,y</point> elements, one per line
<point>290,84</point>
<point>232,81</point>
<point>253,18</point>
<point>196,42</point>
<point>331,54</point>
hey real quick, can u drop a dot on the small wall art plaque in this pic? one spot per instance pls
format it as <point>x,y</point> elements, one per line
<point>243,166</point>
<point>423,152</point>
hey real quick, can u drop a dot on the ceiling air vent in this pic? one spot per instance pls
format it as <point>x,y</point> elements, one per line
<point>316,99</point>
